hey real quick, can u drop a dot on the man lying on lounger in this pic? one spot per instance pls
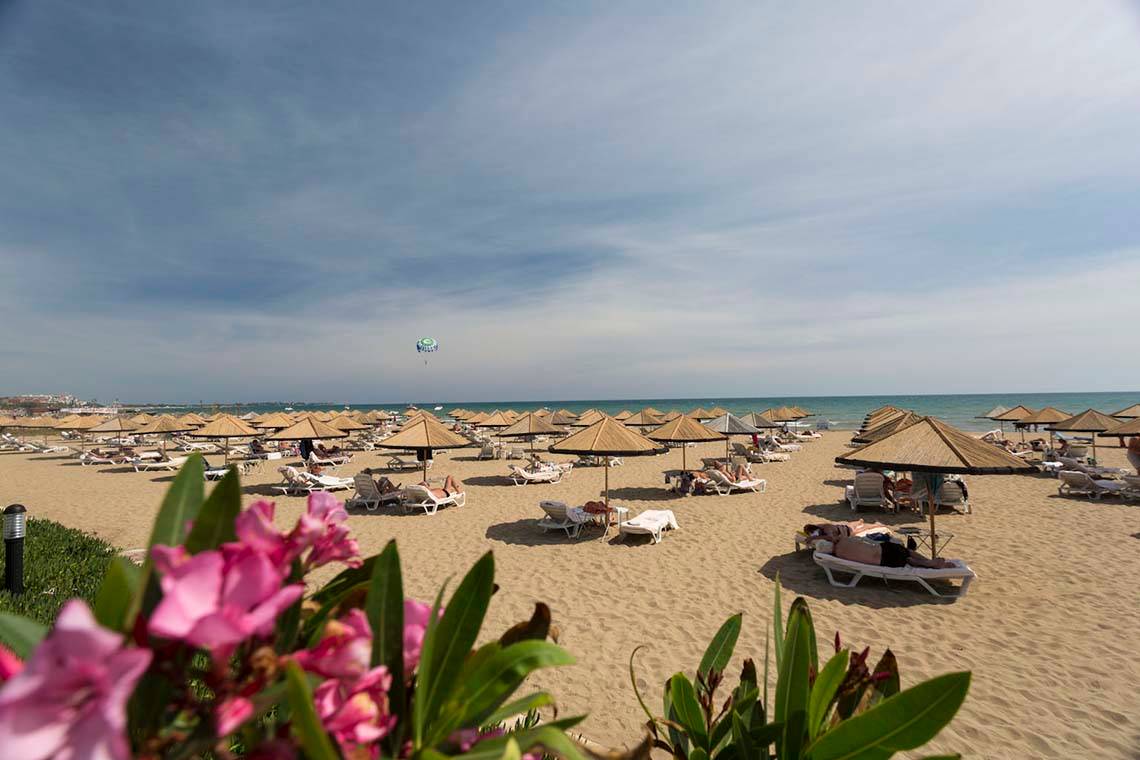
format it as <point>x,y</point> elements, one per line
<point>736,475</point>
<point>881,553</point>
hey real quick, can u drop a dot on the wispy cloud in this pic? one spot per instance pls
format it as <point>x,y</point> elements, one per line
<point>586,200</point>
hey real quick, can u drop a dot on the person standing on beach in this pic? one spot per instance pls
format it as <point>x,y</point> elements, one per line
<point>1134,453</point>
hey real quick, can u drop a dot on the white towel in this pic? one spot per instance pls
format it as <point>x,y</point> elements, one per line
<point>653,520</point>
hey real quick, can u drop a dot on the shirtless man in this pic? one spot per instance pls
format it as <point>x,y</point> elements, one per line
<point>450,488</point>
<point>1133,452</point>
<point>880,553</point>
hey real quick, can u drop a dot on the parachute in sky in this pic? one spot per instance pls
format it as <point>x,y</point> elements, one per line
<point>427,346</point>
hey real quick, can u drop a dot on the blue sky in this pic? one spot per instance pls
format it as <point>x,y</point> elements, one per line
<point>242,201</point>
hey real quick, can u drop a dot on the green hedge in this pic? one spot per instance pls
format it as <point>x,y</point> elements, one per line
<point>60,563</point>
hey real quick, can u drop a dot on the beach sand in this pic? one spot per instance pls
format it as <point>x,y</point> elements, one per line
<point>1049,629</point>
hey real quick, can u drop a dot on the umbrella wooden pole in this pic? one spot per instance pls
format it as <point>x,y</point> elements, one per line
<point>933,537</point>
<point>607,484</point>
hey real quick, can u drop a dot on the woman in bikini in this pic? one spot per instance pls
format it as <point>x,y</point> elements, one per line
<point>451,486</point>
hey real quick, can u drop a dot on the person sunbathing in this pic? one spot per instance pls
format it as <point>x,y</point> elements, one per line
<point>325,451</point>
<point>257,448</point>
<point>837,530</point>
<point>450,488</point>
<point>741,472</point>
<point>385,485</point>
<point>879,553</point>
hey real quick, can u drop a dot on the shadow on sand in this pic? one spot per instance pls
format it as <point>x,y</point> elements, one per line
<point>634,493</point>
<point>799,574</point>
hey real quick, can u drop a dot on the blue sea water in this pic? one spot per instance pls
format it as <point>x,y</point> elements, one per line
<point>846,412</point>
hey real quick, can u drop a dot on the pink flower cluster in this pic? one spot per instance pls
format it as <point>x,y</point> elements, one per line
<point>69,700</point>
<point>217,599</point>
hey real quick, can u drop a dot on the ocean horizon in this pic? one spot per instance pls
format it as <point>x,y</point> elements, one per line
<point>842,412</point>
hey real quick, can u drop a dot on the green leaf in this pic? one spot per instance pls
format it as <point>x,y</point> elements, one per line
<point>792,683</point>
<point>823,691</point>
<point>20,634</point>
<point>548,734</point>
<point>511,751</point>
<point>306,725</point>
<point>887,687</point>
<point>117,594</point>
<point>677,738</point>
<point>214,525</point>
<point>519,707</point>
<point>384,608</point>
<point>482,690</point>
<point>347,579</point>
<point>698,754</point>
<point>745,749</point>
<point>905,721</point>
<point>633,682</point>
<point>790,743</point>
<point>447,643</point>
<point>180,505</point>
<point>719,651</point>
<point>688,710</point>
<point>777,628</point>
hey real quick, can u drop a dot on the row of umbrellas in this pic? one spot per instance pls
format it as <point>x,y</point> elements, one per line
<point>1122,423</point>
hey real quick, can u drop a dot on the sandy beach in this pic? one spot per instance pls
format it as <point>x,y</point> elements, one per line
<point>1049,629</point>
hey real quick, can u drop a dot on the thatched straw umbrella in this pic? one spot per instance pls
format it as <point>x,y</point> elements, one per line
<point>1088,421</point>
<point>642,419</point>
<point>346,423</point>
<point>1125,428</point>
<point>117,425</point>
<point>567,413</point>
<point>423,435</point>
<point>495,420</point>
<point>558,419</point>
<point>1015,415</point>
<point>623,415</point>
<point>759,420</point>
<point>475,419</point>
<point>1128,413</point>
<point>684,430</point>
<point>879,432</point>
<point>607,438</point>
<point>225,427</point>
<point>78,424</point>
<point>591,417</point>
<point>781,414</point>
<point>194,419</point>
<point>528,427</point>
<point>728,425</point>
<point>164,425</point>
<point>700,413</point>
<point>275,421</point>
<point>933,448</point>
<point>1046,416</point>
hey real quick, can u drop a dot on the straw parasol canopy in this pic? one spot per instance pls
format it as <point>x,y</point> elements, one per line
<point>801,412</point>
<point>475,419</point>
<point>607,438</point>
<point>1016,414</point>
<point>880,417</point>
<point>225,426</point>
<point>275,421</point>
<point>929,445</point>
<point>623,415</point>
<point>423,435</point>
<point>306,429</point>
<point>193,419</point>
<point>1127,427</point>
<point>115,425</point>
<point>879,432</point>
<point>728,425</point>
<point>590,417</point>
<point>1088,421</point>
<point>758,420</point>
<point>142,419</point>
<point>718,411</point>
<point>567,413</point>
<point>164,425</point>
<point>781,414</point>
<point>528,426</point>
<point>559,419</point>
<point>346,423</point>
<point>496,420</point>
<point>684,430</point>
<point>1128,413</point>
<point>700,413</point>
<point>543,412</point>
<point>642,419</point>
<point>994,413</point>
<point>1046,416</point>
<point>671,415</point>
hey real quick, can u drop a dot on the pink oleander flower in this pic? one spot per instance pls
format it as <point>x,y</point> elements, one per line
<point>69,701</point>
<point>231,713</point>
<point>321,531</point>
<point>416,616</point>
<point>10,664</point>
<point>322,527</point>
<point>344,651</point>
<point>275,749</point>
<point>217,599</point>
<point>355,712</point>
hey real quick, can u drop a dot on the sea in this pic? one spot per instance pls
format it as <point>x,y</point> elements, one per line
<point>840,412</point>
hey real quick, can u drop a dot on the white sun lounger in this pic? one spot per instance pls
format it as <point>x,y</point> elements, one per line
<point>397,462</point>
<point>867,491</point>
<point>326,482</point>
<point>723,485</point>
<point>368,495</point>
<point>421,497</point>
<point>561,517</point>
<point>651,522</point>
<point>145,465</point>
<point>519,476</point>
<point>920,575</point>
<point>1081,483</point>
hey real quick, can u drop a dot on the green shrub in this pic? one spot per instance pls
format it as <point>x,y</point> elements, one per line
<point>60,563</point>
